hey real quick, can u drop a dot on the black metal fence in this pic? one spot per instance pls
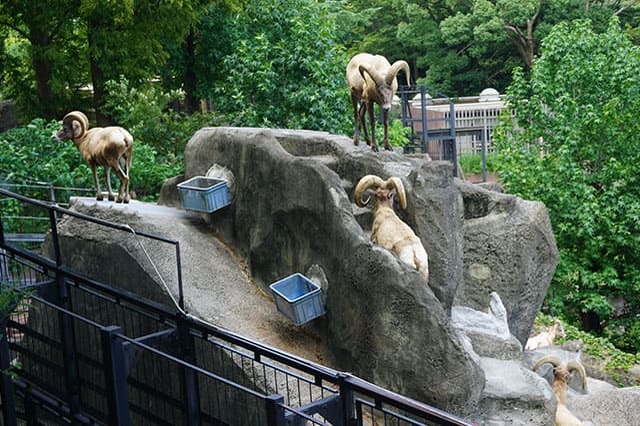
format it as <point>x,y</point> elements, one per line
<point>432,131</point>
<point>74,350</point>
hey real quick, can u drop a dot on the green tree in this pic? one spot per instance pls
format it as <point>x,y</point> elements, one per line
<point>129,38</point>
<point>41,56</point>
<point>494,36</point>
<point>576,147</point>
<point>287,69</point>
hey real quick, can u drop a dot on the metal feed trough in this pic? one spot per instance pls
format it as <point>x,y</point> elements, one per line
<point>298,298</point>
<point>204,194</point>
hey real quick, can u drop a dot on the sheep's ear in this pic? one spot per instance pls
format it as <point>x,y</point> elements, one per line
<point>77,128</point>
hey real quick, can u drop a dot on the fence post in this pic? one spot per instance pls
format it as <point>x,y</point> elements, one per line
<point>452,115</point>
<point>275,412</point>
<point>348,405</point>
<point>425,124</point>
<point>115,375</point>
<point>191,389</point>
<point>6,382</point>
<point>69,352</point>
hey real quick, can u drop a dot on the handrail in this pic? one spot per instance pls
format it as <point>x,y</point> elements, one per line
<point>343,381</point>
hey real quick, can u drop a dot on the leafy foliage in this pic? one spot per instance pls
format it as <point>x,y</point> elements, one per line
<point>286,69</point>
<point>576,147</point>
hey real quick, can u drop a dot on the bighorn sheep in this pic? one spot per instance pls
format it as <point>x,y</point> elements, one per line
<point>388,230</point>
<point>545,338</point>
<point>372,79</point>
<point>109,147</point>
<point>562,373</point>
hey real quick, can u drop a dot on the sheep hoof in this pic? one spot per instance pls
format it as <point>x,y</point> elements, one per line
<point>99,197</point>
<point>111,197</point>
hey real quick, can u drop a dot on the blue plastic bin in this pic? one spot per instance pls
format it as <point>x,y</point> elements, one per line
<point>204,194</point>
<point>298,298</point>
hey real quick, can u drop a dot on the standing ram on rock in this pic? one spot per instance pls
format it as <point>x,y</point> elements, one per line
<point>109,147</point>
<point>372,79</point>
<point>388,230</point>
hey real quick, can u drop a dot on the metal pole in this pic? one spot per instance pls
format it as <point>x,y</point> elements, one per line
<point>275,412</point>
<point>115,375</point>
<point>179,272</point>
<point>425,127</point>
<point>452,120</point>
<point>484,145</point>
<point>6,383</point>
<point>191,388</point>
<point>54,236</point>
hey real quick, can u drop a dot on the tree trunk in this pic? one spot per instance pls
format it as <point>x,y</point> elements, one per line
<point>42,70</point>
<point>189,78</point>
<point>97,80</point>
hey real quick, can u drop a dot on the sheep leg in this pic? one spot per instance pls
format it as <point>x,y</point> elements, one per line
<point>107,172</point>
<point>99,196</point>
<point>363,122</point>
<point>123,193</point>
<point>356,136</point>
<point>374,145</point>
<point>385,121</point>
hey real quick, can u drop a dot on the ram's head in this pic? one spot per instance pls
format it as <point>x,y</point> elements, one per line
<point>74,126</point>
<point>384,191</point>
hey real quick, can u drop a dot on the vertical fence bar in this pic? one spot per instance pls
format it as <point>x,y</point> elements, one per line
<point>54,236</point>
<point>6,383</point>
<point>348,401</point>
<point>452,115</point>
<point>275,412</point>
<point>423,110</point>
<point>191,389</point>
<point>179,272</point>
<point>69,353</point>
<point>115,375</point>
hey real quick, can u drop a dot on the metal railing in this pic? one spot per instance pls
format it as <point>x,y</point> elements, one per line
<point>81,352</point>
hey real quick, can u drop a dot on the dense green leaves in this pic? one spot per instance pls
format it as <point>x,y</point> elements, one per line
<point>576,147</point>
<point>286,68</point>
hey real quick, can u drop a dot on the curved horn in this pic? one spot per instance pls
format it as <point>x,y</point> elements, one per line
<point>365,183</point>
<point>78,116</point>
<point>575,365</point>
<point>396,183</point>
<point>551,359</point>
<point>393,71</point>
<point>374,75</point>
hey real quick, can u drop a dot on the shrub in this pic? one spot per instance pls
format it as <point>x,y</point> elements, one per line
<point>576,147</point>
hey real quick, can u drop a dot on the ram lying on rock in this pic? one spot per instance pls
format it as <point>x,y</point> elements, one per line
<point>388,230</point>
<point>109,147</point>
<point>561,376</point>
<point>546,337</point>
<point>372,79</point>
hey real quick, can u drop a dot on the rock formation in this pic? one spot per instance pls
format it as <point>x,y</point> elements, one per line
<point>292,208</point>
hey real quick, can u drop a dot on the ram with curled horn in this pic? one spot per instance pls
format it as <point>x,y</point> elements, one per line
<point>372,79</point>
<point>561,375</point>
<point>108,147</point>
<point>388,230</point>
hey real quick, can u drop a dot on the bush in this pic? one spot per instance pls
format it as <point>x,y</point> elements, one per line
<point>576,148</point>
<point>146,113</point>
<point>472,163</point>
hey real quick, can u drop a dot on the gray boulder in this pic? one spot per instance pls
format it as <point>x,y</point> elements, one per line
<point>293,209</point>
<point>509,248</point>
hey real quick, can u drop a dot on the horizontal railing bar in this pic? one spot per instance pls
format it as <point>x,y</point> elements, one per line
<point>195,368</point>
<point>410,405</point>
<point>83,216</point>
